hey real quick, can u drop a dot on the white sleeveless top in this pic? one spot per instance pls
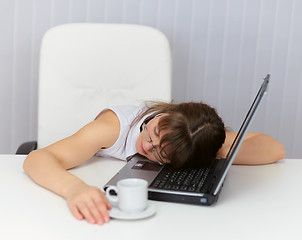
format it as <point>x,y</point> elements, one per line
<point>125,144</point>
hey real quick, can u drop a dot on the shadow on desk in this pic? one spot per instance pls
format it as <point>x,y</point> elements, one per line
<point>247,180</point>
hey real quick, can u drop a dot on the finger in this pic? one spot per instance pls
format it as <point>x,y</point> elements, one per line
<point>86,213</point>
<point>75,212</point>
<point>102,208</point>
<point>108,205</point>
<point>102,205</point>
<point>96,213</point>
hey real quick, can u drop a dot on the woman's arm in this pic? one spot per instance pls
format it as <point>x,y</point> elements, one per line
<point>48,167</point>
<point>256,149</point>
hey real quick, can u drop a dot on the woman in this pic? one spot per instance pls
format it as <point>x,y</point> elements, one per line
<point>184,135</point>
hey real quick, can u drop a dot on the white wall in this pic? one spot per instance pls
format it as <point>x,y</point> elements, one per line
<point>221,51</point>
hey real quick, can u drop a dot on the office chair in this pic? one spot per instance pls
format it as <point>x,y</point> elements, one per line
<point>85,67</point>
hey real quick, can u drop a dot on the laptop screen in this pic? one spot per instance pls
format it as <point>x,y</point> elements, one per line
<point>243,129</point>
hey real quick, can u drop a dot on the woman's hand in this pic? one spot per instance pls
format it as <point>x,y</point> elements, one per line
<point>88,202</point>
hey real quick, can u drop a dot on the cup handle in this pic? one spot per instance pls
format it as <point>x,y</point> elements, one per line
<point>112,199</point>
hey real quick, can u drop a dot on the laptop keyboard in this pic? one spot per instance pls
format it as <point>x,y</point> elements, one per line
<point>189,180</point>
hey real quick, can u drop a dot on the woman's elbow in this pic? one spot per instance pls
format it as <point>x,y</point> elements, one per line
<point>29,160</point>
<point>277,153</point>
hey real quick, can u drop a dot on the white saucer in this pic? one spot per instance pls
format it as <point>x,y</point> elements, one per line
<point>118,214</point>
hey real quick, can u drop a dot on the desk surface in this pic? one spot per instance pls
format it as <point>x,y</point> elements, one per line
<point>260,202</point>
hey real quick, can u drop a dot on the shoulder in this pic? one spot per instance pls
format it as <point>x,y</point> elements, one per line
<point>100,133</point>
<point>77,148</point>
<point>107,116</point>
<point>127,113</point>
<point>107,126</point>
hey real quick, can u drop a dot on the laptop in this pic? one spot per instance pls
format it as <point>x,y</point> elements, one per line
<point>200,186</point>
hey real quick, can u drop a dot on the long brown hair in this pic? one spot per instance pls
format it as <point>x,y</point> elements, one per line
<point>194,135</point>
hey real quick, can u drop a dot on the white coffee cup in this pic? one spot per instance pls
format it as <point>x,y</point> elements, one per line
<point>132,195</point>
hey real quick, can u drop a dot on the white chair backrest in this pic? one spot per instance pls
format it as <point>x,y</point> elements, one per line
<point>85,67</point>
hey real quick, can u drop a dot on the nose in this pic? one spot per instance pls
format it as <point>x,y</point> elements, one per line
<point>148,146</point>
<point>155,142</point>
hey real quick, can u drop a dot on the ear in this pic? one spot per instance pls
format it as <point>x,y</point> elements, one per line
<point>147,120</point>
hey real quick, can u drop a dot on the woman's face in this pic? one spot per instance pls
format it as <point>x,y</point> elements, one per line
<point>148,139</point>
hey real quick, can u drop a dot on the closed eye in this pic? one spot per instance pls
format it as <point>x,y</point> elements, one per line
<point>155,130</point>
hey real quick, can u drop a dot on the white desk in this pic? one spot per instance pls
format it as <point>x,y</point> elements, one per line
<point>255,203</point>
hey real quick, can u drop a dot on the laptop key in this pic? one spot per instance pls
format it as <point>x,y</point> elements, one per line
<point>191,180</point>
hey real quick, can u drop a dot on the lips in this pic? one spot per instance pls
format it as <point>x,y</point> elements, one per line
<point>143,148</point>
